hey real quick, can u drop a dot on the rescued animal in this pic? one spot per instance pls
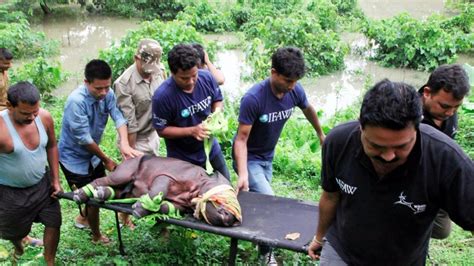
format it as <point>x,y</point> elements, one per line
<point>167,185</point>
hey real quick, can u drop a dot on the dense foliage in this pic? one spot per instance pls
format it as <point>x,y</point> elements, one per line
<point>45,74</point>
<point>267,25</point>
<point>147,9</point>
<point>404,41</point>
<point>120,55</point>
<point>205,17</point>
<point>20,39</point>
<point>323,50</point>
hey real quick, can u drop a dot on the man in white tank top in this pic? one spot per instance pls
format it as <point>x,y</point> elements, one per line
<point>27,148</point>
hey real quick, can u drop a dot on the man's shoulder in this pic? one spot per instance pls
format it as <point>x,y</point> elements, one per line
<point>206,81</point>
<point>43,113</point>
<point>126,76</point>
<point>343,132</point>
<point>204,74</point>
<point>166,91</point>
<point>440,148</point>
<point>299,88</point>
<point>257,89</point>
<point>436,139</point>
<point>46,117</point>
<point>77,96</point>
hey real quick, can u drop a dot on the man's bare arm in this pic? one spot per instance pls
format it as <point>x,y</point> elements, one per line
<point>327,212</point>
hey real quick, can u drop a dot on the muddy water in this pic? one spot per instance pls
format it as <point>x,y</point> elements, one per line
<point>80,41</point>
<point>82,38</point>
<point>328,93</point>
<point>387,8</point>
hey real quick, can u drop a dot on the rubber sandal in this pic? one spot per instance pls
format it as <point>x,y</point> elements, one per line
<point>34,242</point>
<point>129,224</point>
<point>103,240</point>
<point>79,225</point>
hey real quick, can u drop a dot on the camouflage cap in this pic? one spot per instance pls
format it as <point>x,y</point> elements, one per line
<point>149,51</point>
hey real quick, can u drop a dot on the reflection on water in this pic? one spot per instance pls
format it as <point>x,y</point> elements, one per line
<point>232,64</point>
<point>388,8</point>
<point>81,39</point>
<point>328,93</point>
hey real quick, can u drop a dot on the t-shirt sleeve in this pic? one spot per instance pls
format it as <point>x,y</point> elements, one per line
<point>248,110</point>
<point>328,180</point>
<point>302,100</point>
<point>162,112</point>
<point>458,193</point>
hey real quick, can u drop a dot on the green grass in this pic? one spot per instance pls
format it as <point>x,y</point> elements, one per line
<point>145,245</point>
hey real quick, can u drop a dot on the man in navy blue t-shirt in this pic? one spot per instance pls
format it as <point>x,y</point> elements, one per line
<point>264,110</point>
<point>180,105</point>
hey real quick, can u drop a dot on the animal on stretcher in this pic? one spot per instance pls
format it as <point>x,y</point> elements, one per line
<point>168,186</point>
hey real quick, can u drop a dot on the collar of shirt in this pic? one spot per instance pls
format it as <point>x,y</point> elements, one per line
<point>137,78</point>
<point>88,96</point>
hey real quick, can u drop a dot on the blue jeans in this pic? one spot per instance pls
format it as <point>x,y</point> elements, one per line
<point>218,163</point>
<point>260,176</point>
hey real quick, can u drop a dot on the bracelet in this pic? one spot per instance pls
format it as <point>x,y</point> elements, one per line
<point>317,241</point>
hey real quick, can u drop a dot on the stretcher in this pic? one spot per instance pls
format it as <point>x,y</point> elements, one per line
<point>268,220</point>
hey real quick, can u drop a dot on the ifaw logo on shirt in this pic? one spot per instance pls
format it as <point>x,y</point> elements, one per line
<point>276,116</point>
<point>198,107</point>
<point>416,208</point>
<point>345,187</point>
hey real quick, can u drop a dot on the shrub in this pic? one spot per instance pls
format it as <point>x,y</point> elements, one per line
<point>168,34</point>
<point>345,7</point>
<point>206,18</point>
<point>326,13</point>
<point>323,50</point>
<point>404,41</point>
<point>240,15</point>
<point>148,9</point>
<point>16,36</point>
<point>46,76</point>
<point>298,154</point>
<point>463,22</point>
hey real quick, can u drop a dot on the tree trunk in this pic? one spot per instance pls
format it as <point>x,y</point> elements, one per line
<point>44,6</point>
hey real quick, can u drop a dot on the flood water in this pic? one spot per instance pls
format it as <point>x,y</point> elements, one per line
<point>82,38</point>
<point>380,9</point>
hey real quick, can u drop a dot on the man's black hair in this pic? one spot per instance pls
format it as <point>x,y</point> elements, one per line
<point>200,50</point>
<point>5,54</point>
<point>97,69</point>
<point>24,92</point>
<point>289,62</point>
<point>392,105</point>
<point>182,56</point>
<point>450,78</point>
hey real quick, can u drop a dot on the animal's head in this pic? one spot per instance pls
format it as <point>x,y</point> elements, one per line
<point>219,206</point>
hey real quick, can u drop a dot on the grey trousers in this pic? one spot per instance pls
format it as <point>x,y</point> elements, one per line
<point>329,256</point>
<point>442,225</point>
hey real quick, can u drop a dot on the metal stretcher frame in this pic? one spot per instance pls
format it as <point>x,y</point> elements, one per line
<point>266,220</point>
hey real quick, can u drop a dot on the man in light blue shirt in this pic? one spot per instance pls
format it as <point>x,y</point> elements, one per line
<point>85,116</point>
